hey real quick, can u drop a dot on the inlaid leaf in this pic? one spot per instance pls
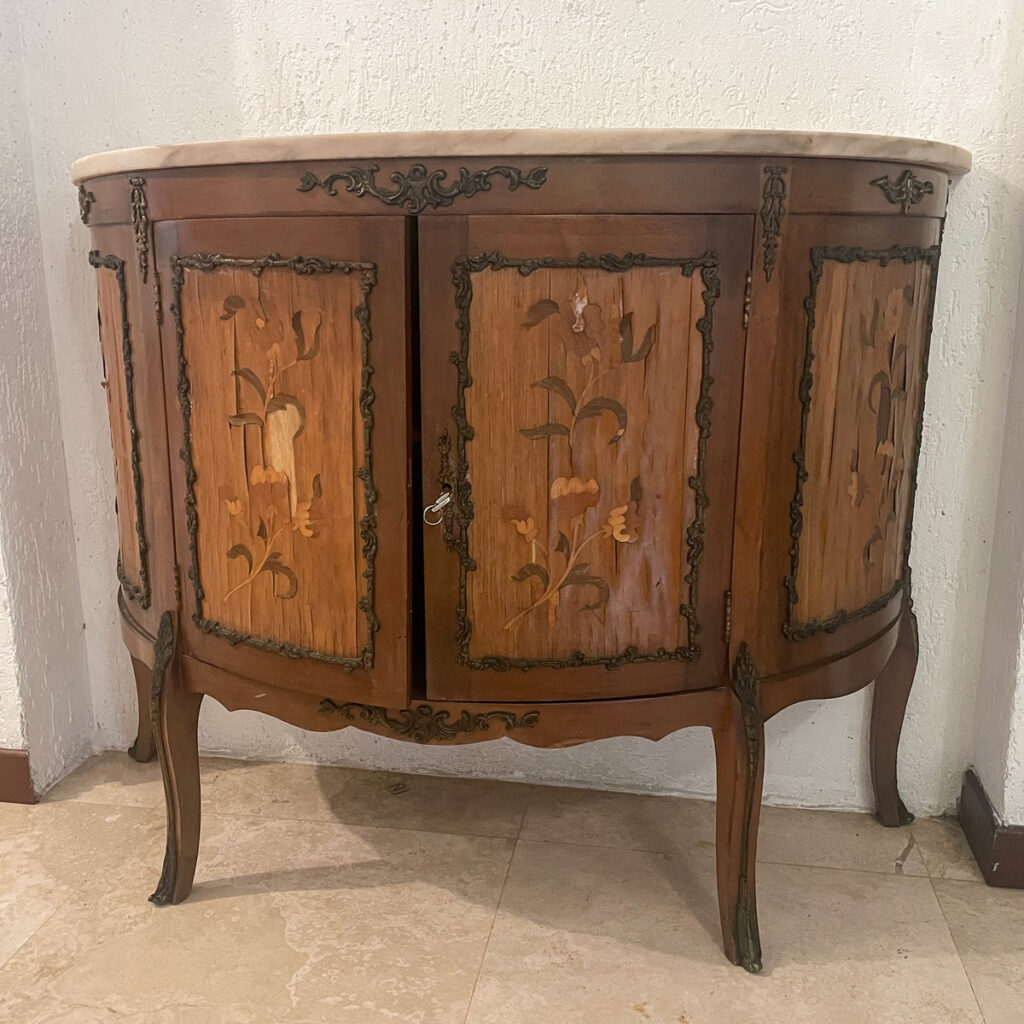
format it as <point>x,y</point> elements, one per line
<point>315,347</point>
<point>250,378</point>
<point>635,490</point>
<point>545,430</point>
<point>241,551</point>
<point>281,401</point>
<point>596,406</point>
<point>563,544</point>
<point>626,337</point>
<point>276,568</point>
<point>580,578</point>
<point>261,532</point>
<point>531,569</point>
<point>300,335</point>
<point>560,388</point>
<point>539,312</point>
<point>246,419</point>
<point>645,346</point>
<point>318,491</point>
<point>232,304</point>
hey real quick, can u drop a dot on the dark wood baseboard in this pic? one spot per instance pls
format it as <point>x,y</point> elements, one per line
<point>998,848</point>
<point>15,778</point>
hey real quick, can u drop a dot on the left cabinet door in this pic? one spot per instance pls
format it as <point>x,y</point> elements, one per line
<point>133,383</point>
<point>285,354</point>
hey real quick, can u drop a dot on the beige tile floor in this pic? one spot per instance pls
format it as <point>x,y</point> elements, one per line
<point>326,894</point>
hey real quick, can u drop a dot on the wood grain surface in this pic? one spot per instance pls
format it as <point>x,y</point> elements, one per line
<point>275,369</point>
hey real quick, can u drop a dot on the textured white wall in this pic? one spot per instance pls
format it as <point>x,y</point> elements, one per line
<point>104,74</point>
<point>44,696</point>
<point>998,747</point>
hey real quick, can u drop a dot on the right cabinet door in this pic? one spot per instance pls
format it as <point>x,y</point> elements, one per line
<point>580,383</point>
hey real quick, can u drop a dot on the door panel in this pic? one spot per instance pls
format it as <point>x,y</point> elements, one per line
<point>829,444</point>
<point>573,404</point>
<point>294,448</point>
<point>868,319</point>
<point>117,348</point>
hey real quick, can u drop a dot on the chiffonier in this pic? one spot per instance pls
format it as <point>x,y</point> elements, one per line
<point>554,436</point>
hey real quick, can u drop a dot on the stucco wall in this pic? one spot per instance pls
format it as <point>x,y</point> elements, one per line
<point>106,75</point>
<point>44,696</point>
<point>998,748</point>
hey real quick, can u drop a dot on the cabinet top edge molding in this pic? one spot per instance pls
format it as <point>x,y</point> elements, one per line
<point>530,142</point>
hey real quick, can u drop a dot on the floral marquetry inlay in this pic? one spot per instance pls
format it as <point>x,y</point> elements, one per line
<point>276,390</point>
<point>574,503</point>
<point>868,316</point>
<point>581,549</point>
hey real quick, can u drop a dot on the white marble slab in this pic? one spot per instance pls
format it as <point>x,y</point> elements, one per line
<point>529,142</point>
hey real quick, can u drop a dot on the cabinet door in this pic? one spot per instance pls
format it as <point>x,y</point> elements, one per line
<point>580,383</point>
<point>286,350</point>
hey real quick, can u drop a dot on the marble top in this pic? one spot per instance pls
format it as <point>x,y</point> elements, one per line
<point>529,142</point>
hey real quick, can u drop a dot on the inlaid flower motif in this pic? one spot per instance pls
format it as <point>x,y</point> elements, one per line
<point>622,524</point>
<point>272,499</point>
<point>526,527</point>
<point>602,350</point>
<point>300,521</point>
<point>266,475</point>
<point>575,495</point>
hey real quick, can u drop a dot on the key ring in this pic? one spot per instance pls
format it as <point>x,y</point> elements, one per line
<point>443,499</point>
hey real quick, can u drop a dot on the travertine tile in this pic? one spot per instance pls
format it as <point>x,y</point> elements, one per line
<point>669,824</point>
<point>836,839</point>
<point>112,778</point>
<point>312,792</point>
<point>988,929</point>
<point>307,921</point>
<point>623,820</point>
<point>945,850</point>
<point>609,936</point>
<point>325,793</point>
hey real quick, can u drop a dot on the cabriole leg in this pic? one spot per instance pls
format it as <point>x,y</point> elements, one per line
<point>739,755</point>
<point>143,749</point>
<point>889,705</point>
<point>175,723</point>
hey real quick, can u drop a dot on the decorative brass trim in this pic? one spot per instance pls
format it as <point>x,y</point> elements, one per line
<point>140,223</point>
<point>422,724</point>
<point>420,188</point>
<point>461,509</point>
<point>906,191</point>
<point>745,685</point>
<point>85,201</point>
<point>850,254</point>
<point>772,213</point>
<point>367,524</point>
<point>140,591</point>
<point>163,653</point>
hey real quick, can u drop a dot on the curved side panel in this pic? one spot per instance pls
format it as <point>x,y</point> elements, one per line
<point>861,394</point>
<point>119,373</point>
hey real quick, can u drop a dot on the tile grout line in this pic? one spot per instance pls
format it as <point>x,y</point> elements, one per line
<point>959,955</point>
<point>490,931</point>
<point>497,907</point>
<point>28,938</point>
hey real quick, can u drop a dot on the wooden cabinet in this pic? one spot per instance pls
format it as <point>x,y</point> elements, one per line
<point>554,447</point>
